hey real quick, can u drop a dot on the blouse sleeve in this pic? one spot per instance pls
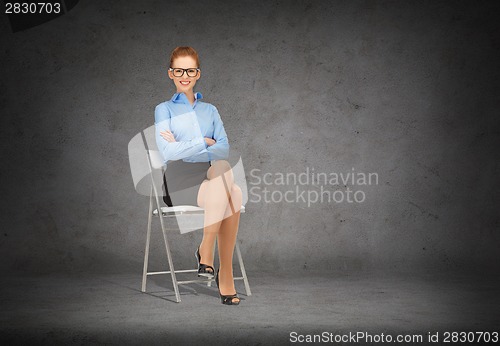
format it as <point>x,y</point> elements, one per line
<point>172,151</point>
<point>220,150</point>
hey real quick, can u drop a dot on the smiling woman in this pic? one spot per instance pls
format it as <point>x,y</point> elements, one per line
<point>191,138</point>
<point>180,57</point>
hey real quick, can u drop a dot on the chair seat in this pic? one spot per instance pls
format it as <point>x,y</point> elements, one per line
<point>183,209</point>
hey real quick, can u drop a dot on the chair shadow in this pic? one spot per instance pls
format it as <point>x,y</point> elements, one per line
<point>165,282</point>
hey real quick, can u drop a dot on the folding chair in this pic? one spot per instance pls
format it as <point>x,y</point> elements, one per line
<point>147,173</point>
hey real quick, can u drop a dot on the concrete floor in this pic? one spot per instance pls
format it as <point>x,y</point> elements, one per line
<point>97,309</point>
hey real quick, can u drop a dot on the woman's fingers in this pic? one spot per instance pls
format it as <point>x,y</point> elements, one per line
<point>209,141</point>
<point>167,135</point>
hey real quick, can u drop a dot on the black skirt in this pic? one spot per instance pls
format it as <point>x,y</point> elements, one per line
<point>182,181</point>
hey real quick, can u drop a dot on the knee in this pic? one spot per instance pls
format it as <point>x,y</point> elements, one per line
<point>236,191</point>
<point>237,194</point>
<point>216,196</point>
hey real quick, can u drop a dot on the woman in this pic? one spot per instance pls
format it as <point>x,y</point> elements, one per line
<point>192,140</point>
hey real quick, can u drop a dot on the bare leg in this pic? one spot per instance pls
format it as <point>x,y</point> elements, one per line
<point>214,196</point>
<point>227,240</point>
<point>207,248</point>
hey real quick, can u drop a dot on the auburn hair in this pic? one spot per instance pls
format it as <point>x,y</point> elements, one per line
<point>184,51</point>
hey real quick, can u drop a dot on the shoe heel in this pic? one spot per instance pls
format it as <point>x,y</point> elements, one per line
<point>202,268</point>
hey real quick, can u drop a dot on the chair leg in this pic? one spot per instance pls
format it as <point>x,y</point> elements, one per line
<point>242,268</point>
<point>148,237</point>
<point>167,247</point>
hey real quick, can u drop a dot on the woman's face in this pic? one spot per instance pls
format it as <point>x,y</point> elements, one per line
<point>184,83</point>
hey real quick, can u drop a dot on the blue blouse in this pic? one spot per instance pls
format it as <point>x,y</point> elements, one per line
<point>189,125</point>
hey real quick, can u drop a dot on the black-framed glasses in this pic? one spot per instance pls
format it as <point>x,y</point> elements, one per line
<point>179,72</point>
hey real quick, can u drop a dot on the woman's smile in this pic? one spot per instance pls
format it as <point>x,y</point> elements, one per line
<point>185,82</point>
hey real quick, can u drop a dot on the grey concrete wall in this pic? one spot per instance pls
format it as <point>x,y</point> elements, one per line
<point>405,90</point>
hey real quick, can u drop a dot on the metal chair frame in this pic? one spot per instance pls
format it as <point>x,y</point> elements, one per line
<point>173,212</point>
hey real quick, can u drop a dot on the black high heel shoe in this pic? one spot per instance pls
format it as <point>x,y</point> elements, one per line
<point>228,300</point>
<point>202,268</point>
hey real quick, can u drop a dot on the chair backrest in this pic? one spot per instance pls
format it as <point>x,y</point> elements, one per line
<point>146,163</point>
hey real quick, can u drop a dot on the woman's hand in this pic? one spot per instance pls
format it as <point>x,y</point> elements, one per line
<point>167,135</point>
<point>209,141</point>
